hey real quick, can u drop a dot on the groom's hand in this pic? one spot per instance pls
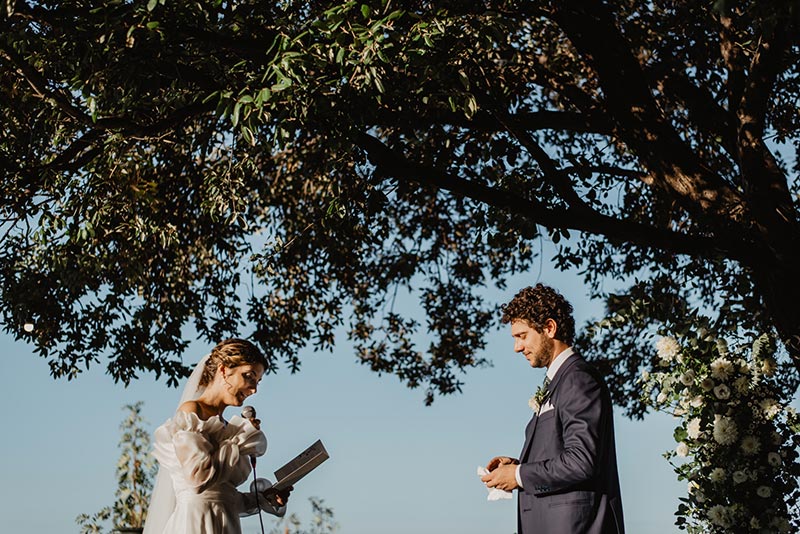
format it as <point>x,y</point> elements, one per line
<point>503,476</point>
<point>497,461</point>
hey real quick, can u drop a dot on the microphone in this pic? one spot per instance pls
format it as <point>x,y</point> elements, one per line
<point>248,412</point>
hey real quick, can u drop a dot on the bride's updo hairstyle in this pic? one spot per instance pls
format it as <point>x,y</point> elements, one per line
<point>232,353</point>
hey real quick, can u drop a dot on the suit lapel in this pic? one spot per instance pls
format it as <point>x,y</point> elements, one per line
<point>531,428</point>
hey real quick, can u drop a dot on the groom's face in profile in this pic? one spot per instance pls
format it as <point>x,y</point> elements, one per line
<point>537,347</point>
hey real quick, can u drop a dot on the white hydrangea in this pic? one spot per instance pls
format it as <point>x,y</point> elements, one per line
<point>721,368</point>
<point>667,348</point>
<point>750,445</point>
<point>722,392</point>
<point>725,431</point>
<point>682,450</point>
<point>717,475</point>
<point>693,428</point>
<point>764,492</point>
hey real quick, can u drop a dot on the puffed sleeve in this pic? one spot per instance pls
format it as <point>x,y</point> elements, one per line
<point>182,444</point>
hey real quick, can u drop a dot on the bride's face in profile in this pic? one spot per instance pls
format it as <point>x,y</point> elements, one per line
<point>241,382</point>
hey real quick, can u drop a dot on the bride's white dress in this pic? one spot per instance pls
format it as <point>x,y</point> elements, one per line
<point>207,461</point>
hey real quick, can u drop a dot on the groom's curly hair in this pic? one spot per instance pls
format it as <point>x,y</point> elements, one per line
<point>535,305</point>
<point>232,353</point>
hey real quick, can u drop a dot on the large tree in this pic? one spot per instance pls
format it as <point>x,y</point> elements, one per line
<point>301,165</point>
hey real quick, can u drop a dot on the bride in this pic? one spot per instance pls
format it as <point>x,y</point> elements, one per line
<point>203,457</point>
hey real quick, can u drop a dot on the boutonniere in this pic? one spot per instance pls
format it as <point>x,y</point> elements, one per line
<point>539,398</point>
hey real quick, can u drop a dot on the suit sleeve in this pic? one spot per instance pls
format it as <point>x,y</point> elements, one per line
<point>581,409</point>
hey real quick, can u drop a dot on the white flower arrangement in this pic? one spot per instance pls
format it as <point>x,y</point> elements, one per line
<point>667,349</point>
<point>717,475</point>
<point>737,437</point>
<point>725,431</point>
<point>721,368</point>
<point>722,392</point>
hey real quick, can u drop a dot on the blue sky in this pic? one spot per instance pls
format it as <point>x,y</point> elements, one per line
<point>396,465</point>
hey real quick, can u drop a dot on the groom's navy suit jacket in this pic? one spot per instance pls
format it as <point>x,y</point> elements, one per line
<point>568,466</point>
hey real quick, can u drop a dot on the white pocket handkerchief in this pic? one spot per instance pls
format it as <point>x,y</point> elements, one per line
<point>546,408</point>
<point>494,493</point>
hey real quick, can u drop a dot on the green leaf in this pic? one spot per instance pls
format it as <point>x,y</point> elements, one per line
<point>235,115</point>
<point>151,5</point>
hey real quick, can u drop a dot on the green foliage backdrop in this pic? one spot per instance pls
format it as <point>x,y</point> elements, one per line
<point>293,167</point>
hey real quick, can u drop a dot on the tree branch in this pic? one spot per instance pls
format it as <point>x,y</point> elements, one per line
<point>557,178</point>
<point>638,119</point>
<point>764,183</point>
<point>703,108</point>
<point>392,164</point>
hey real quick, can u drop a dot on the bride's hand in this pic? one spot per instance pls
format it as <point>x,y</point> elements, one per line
<point>277,497</point>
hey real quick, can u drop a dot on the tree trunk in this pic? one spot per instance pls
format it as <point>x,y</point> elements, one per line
<point>777,282</point>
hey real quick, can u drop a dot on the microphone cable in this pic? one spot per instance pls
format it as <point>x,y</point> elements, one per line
<point>255,492</point>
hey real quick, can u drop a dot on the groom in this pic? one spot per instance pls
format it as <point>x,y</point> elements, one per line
<point>566,475</point>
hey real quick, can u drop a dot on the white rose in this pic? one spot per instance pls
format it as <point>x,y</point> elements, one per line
<point>764,492</point>
<point>722,392</point>
<point>774,459</point>
<point>707,384</point>
<point>682,450</point>
<point>739,477</point>
<point>687,378</point>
